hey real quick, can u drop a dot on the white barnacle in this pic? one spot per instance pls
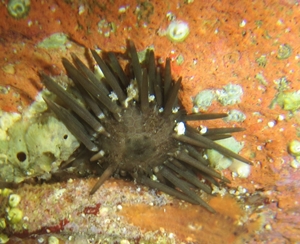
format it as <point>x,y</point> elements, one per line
<point>178,31</point>
<point>202,130</point>
<point>175,110</point>
<point>81,9</point>
<point>241,169</point>
<point>113,96</point>
<point>151,98</point>
<point>180,128</point>
<point>132,92</point>
<point>160,110</point>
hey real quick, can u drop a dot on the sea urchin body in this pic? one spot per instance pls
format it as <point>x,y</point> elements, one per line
<point>133,125</point>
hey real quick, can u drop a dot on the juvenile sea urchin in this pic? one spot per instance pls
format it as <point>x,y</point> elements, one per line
<point>131,124</point>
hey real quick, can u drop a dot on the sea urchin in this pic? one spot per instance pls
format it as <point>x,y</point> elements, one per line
<point>132,124</point>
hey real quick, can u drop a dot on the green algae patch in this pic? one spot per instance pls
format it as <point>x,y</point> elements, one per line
<point>262,61</point>
<point>218,160</point>
<point>230,94</point>
<point>204,99</point>
<point>56,40</point>
<point>289,101</point>
<point>235,115</point>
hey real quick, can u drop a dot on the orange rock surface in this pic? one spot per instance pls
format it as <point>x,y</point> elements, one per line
<point>226,40</point>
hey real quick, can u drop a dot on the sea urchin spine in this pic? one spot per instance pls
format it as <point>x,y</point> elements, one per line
<point>132,125</point>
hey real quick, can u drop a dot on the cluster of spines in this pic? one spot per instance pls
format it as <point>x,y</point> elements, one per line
<point>176,172</point>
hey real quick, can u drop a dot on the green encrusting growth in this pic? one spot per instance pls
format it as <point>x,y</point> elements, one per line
<point>289,100</point>
<point>34,147</point>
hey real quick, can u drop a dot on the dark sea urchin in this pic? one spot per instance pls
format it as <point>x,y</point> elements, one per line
<point>132,125</point>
